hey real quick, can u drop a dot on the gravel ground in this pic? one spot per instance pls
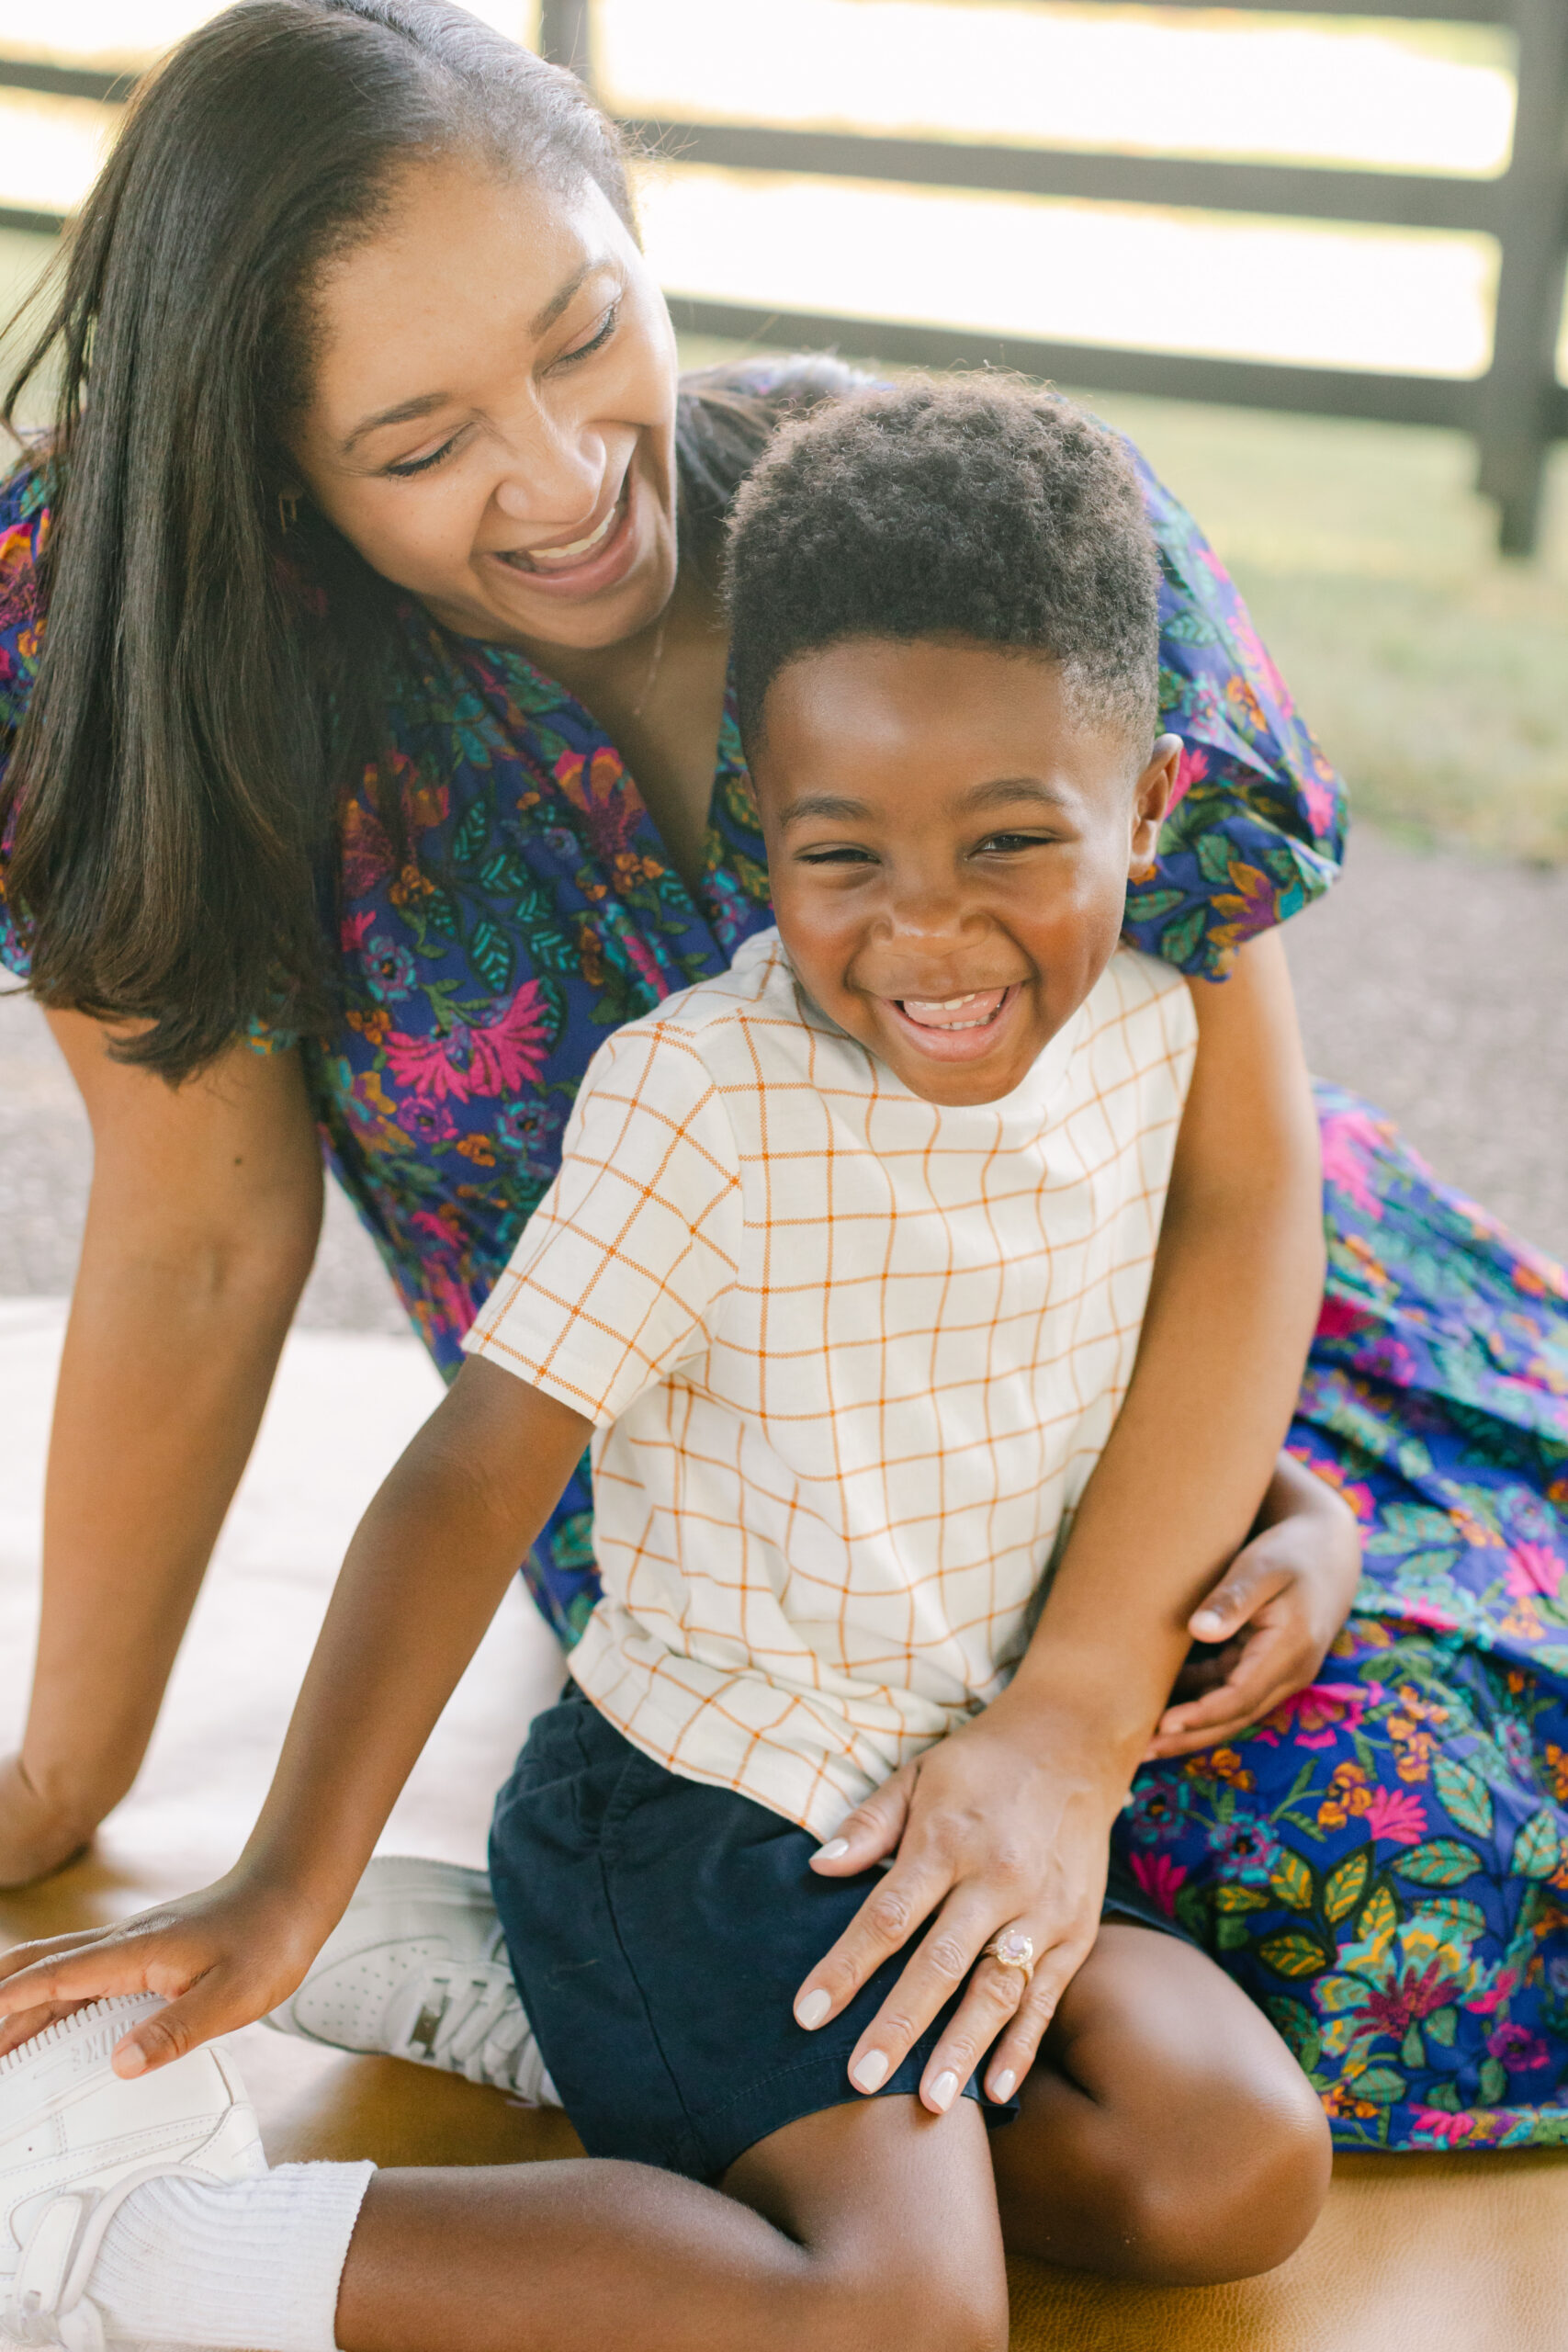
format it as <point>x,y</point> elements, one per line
<point>1436,986</point>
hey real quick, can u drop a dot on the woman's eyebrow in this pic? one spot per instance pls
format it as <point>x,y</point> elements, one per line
<point>425,403</point>
<point>403,413</point>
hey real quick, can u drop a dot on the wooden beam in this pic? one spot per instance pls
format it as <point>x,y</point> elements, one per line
<point>1402,199</point>
<point>1453,403</point>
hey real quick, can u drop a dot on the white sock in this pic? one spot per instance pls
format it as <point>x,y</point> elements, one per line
<point>241,2266</point>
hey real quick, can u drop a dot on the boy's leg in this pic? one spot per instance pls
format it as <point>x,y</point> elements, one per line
<point>867,2226</point>
<point>1166,2133</point>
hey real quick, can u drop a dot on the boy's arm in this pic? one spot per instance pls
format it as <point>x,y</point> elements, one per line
<point>422,1581</point>
<point>1008,1820</point>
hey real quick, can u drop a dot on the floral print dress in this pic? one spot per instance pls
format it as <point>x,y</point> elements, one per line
<point>1383,1864</point>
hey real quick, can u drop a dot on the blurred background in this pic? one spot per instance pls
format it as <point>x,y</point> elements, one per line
<point>1337,239</point>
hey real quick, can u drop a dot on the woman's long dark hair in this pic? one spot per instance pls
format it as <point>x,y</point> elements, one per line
<point>207,684</point>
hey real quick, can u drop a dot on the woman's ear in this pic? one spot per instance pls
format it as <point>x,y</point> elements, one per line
<point>1152,796</point>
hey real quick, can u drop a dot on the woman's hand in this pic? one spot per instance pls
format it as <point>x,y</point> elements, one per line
<point>1004,1824</point>
<point>36,1836</point>
<point>1264,1629</point>
<point>221,1959</point>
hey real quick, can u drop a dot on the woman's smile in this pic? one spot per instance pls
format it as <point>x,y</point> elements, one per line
<point>598,558</point>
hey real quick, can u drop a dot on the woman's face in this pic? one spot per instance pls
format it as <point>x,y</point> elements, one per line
<point>492,409</point>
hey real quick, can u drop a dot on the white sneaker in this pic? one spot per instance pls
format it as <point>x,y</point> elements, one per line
<point>75,2141</point>
<point>417,1968</point>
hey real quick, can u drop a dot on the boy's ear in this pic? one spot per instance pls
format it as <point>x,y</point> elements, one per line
<point>1152,796</point>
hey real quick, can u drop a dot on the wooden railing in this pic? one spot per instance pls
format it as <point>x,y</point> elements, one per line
<point>1514,412</point>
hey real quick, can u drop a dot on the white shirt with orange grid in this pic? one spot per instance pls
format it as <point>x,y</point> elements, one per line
<point>851,1357</point>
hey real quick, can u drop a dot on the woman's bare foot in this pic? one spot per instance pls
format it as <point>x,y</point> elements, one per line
<point>36,1836</point>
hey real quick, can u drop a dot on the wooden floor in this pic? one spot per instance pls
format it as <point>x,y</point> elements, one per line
<point>1433,2254</point>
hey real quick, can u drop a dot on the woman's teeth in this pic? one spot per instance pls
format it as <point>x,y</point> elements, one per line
<point>972,1012</point>
<point>578,548</point>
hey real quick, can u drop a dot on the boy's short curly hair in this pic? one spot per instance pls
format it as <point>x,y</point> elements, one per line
<point>956,508</point>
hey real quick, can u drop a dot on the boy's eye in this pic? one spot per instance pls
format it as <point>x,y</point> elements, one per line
<point>408,466</point>
<point>841,853</point>
<point>596,341</point>
<point>1008,845</point>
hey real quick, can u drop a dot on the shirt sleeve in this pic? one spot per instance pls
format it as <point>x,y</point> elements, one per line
<point>619,1268</point>
<point>1258,828</point>
<point>24,532</point>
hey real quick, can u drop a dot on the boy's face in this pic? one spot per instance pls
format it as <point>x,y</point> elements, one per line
<point>949,848</point>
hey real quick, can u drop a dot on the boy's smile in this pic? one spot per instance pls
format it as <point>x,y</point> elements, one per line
<point>949,843</point>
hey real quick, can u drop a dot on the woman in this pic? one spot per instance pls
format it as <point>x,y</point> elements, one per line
<point>364,603</point>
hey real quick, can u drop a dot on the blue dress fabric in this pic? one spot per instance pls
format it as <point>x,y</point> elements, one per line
<point>1382,1864</point>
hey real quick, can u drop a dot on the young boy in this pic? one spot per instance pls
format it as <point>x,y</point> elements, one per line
<point>843,1272</point>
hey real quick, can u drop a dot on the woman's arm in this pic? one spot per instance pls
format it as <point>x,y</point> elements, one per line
<point>422,1579</point>
<point>202,1223</point>
<point>1008,1819</point>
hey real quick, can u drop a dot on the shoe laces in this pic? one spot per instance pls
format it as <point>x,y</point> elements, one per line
<point>466,2018</point>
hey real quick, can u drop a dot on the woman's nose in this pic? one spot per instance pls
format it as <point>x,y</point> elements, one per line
<point>549,476</point>
<point>565,495</point>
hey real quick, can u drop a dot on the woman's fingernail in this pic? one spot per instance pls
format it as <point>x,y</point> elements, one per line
<point>132,2060</point>
<point>812,2008</point>
<point>832,1851</point>
<point>1206,1624</point>
<point>945,2090</point>
<point>1003,2086</point>
<point>871,2072</point>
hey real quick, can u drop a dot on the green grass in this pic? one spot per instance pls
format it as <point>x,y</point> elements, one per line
<point>1435,674</point>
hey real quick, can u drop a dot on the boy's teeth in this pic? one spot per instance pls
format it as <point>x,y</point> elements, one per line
<point>980,1005</point>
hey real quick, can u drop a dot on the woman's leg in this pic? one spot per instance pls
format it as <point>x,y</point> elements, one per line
<point>867,2226</point>
<point>1167,2134</point>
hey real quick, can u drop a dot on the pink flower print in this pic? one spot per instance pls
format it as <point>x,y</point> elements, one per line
<point>1453,2131</point>
<point>1396,1817</point>
<point>1533,1569</point>
<point>1322,807</point>
<point>1519,2050</point>
<point>1338,1319</point>
<point>1159,1877</point>
<point>354,929</point>
<point>1314,1717</point>
<point>1497,1995</point>
<point>645,964</point>
<point>1427,1613</point>
<point>1193,767</point>
<point>487,1058</point>
<point>1349,1140</point>
<point>1416,1992</point>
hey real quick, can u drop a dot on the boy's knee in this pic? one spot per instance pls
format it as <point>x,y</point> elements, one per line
<point>1238,2184</point>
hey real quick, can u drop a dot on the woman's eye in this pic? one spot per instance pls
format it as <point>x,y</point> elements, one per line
<point>596,341</point>
<point>422,464</point>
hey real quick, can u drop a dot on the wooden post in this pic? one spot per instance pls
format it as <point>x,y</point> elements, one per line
<point>1518,396</point>
<point>566,35</point>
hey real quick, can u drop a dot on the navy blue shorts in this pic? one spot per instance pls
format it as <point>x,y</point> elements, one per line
<point>659,1930</point>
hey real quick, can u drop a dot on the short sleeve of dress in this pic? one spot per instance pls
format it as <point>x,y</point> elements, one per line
<point>1258,830</point>
<point>24,529</point>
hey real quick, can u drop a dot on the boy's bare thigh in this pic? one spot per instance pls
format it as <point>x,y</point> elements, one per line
<point>1166,2132</point>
